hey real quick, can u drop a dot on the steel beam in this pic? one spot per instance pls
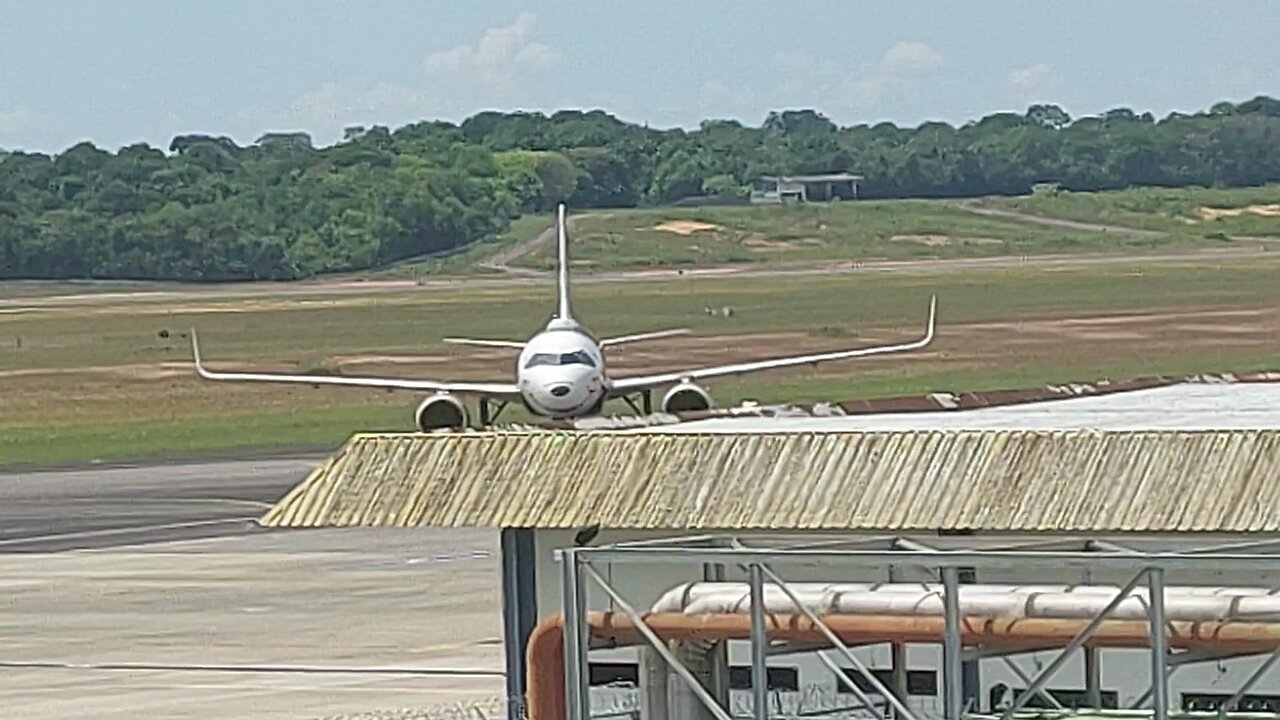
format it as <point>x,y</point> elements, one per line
<point>759,643</point>
<point>519,610</point>
<point>1159,646</point>
<point>1093,677</point>
<point>576,673</point>
<point>1076,643</point>
<point>621,554</point>
<point>952,678</point>
<point>658,645</point>
<point>843,649</point>
<point>1235,699</point>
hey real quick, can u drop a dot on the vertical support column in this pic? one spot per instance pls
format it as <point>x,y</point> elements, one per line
<point>1159,646</point>
<point>970,679</point>
<point>898,657</point>
<point>953,701</point>
<point>576,675</point>
<point>1093,677</point>
<point>759,646</point>
<point>519,611</point>
<point>719,653</point>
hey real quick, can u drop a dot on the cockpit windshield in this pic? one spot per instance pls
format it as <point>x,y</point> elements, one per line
<point>577,357</point>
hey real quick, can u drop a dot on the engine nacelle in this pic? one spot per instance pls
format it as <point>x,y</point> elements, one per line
<point>685,397</point>
<point>440,411</point>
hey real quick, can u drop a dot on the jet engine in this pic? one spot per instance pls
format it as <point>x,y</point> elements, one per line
<point>440,411</point>
<point>685,397</point>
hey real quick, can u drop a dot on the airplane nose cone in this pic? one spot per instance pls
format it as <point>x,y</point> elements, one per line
<point>561,390</point>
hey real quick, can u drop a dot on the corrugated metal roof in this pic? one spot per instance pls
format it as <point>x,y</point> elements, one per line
<point>1075,480</point>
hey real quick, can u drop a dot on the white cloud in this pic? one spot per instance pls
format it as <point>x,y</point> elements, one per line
<point>894,76</point>
<point>717,97</point>
<point>1033,79</point>
<point>910,58</point>
<point>502,69</point>
<point>17,120</point>
<point>501,57</point>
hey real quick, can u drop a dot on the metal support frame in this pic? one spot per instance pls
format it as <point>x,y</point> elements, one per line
<point>898,655</point>
<point>759,643</point>
<point>1026,679</point>
<point>656,643</point>
<point>1093,677</point>
<point>519,611</point>
<point>953,689</point>
<point>1076,643</point>
<point>1235,699</point>
<point>720,550</point>
<point>712,572</point>
<point>843,649</point>
<point>577,672</point>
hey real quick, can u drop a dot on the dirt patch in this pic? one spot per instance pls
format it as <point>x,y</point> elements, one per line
<point>1212,213</point>
<point>685,227</point>
<point>758,243</point>
<point>942,240</point>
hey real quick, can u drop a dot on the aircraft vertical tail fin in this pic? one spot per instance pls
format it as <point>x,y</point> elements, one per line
<point>562,241</point>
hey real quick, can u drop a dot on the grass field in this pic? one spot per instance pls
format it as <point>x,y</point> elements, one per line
<point>1182,212</point>
<point>98,381</point>
<point>894,230</point>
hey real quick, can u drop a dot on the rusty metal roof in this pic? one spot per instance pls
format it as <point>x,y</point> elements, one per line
<point>994,480</point>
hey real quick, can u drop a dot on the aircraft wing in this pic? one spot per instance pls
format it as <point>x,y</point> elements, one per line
<point>496,390</point>
<point>624,385</point>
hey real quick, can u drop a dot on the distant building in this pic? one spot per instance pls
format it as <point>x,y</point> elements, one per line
<point>805,188</point>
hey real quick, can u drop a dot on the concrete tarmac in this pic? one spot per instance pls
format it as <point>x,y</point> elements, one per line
<point>150,592</point>
<point>77,509</point>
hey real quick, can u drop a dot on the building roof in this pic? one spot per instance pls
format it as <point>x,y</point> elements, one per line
<point>819,177</point>
<point>1151,461</point>
<point>1186,406</point>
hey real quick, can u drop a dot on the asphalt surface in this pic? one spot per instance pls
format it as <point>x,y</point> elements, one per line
<point>50,511</point>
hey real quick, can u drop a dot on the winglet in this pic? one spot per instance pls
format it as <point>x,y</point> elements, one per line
<point>562,240</point>
<point>933,313</point>
<point>195,355</point>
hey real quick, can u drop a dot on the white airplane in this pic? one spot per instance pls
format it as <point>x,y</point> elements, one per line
<point>560,372</point>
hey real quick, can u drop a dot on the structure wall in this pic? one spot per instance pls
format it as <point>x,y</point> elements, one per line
<point>1127,672</point>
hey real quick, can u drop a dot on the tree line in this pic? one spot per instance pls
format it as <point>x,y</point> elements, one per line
<point>206,208</point>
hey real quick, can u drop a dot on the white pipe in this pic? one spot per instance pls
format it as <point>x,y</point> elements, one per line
<point>1183,603</point>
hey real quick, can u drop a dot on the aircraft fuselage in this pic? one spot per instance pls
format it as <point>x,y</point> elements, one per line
<point>560,372</point>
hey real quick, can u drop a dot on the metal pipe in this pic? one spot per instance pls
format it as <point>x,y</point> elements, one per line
<point>656,643</point>
<point>840,646</point>
<point>953,688</point>
<point>759,643</point>
<point>1235,699</point>
<point>1076,642</point>
<point>1159,646</point>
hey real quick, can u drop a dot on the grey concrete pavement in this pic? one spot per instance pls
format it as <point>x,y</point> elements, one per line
<point>66,509</point>
<point>289,624</point>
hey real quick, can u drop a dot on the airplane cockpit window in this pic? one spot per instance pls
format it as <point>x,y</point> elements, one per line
<point>577,357</point>
<point>542,359</point>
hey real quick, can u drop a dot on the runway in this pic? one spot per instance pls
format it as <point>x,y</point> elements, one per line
<point>150,592</point>
<point>47,511</point>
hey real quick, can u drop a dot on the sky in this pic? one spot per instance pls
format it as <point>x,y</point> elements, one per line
<point>145,70</point>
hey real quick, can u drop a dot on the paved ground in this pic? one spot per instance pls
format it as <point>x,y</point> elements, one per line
<point>114,618</point>
<point>57,510</point>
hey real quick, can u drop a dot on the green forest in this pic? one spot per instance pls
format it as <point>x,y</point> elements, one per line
<point>208,209</point>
